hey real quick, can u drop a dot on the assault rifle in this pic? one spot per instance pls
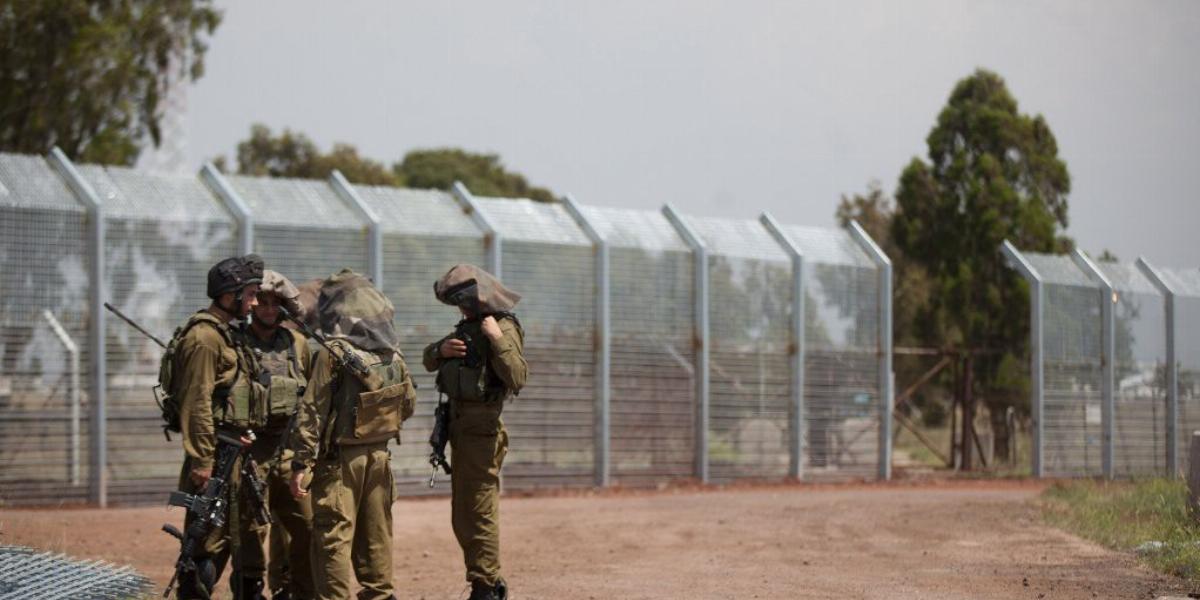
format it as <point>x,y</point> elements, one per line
<point>134,324</point>
<point>438,439</point>
<point>346,360</point>
<point>209,509</point>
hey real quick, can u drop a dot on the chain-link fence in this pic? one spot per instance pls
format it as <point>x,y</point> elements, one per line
<point>660,346</point>
<point>1113,353</point>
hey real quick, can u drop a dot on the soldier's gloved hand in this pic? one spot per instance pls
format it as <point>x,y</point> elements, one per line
<point>297,485</point>
<point>200,476</point>
<point>491,328</point>
<point>453,348</point>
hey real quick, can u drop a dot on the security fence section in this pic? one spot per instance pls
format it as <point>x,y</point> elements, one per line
<point>1113,353</point>
<point>661,346</point>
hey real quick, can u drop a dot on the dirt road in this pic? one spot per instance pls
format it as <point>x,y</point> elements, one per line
<point>960,540</point>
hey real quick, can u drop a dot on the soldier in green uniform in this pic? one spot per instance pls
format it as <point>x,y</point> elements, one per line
<point>479,366</point>
<point>214,387</point>
<point>359,394</point>
<point>284,355</point>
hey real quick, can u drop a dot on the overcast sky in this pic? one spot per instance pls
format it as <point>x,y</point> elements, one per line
<point>728,108</point>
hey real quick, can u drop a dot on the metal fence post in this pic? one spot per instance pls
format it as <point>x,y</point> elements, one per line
<point>346,192</point>
<point>701,339</point>
<point>1037,373</point>
<point>97,360</point>
<point>603,345</point>
<point>1107,360</point>
<point>796,422</point>
<point>73,351</point>
<point>885,345</point>
<point>1172,366</point>
<point>491,235</point>
<point>217,184</point>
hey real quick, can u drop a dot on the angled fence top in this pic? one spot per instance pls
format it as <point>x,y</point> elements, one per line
<point>28,182</point>
<point>131,194</point>
<point>828,246</point>
<point>295,202</point>
<point>418,212</point>
<point>1128,278</point>
<point>738,238</point>
<point>1183,282</point>
<point>634,228</point>
<point>529,221</point>
<point>1059,269</point>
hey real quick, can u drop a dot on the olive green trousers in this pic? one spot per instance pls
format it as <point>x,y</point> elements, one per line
<point>478,444</point>
<point>352,496</point>
<point>289,567</point>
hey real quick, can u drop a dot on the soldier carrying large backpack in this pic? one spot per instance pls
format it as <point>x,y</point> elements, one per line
<point>359,394</point>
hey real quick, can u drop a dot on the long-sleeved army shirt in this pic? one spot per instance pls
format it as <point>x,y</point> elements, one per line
<point>506,356</point>
<point>205,361</point>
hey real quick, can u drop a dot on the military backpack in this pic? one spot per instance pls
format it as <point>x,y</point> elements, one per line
<point>240,403</point>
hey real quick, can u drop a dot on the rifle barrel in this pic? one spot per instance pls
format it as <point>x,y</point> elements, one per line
<point>114,311</point>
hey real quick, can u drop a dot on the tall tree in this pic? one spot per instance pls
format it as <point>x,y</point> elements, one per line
<point>992,174</point>
<point>483,174</point>
<point>88,75</point>
<point>292,154</point>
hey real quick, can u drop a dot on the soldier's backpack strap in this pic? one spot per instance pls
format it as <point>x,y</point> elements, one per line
<point>168,380</point>
<point>293,358</point>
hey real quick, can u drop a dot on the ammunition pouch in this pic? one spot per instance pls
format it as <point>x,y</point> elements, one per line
<point>379,414</point>
<point>461,382</point>
<point>241,406</point>
<point>282,397</point>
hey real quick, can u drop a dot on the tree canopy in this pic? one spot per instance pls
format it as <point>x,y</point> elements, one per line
<point>292,154</point>
<point>88,75</point>
<point>993,173</point>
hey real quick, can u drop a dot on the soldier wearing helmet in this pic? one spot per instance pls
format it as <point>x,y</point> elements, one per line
<point>215,388</point>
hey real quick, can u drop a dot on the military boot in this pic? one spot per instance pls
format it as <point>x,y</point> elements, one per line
<point>252,589</point>
<point>482,591</point>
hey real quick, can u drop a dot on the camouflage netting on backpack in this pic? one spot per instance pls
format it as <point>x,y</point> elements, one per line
<point>352,309</point>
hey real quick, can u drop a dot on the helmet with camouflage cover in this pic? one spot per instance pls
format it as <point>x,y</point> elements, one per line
<point>474,289</point>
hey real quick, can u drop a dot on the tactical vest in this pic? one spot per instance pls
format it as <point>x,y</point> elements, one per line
<point>287,381</point>
<point>366,416</point>
<point>470,378</point>
<point>238,404</point>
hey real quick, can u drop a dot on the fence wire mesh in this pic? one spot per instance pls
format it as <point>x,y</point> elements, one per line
<point>749,310</point>
<point>424,234</point>
<point>35,412</point>
<point>163,232</point>
<point>1140,393</point>
<point>303,229</point>
<point>1185,284</point>
<point>653,347</point>
<point>550,424</point>
<point>1072,418</point>
<point>842,355</point>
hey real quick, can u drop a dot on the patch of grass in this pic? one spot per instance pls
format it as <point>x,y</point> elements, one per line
<point>1125,515</point>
